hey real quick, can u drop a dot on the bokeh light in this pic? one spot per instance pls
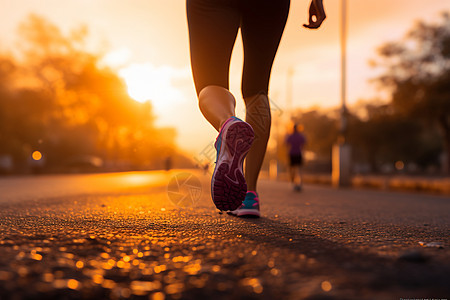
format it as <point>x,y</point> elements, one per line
<point>326,286</point>
<point>36,155</point>
<point>399,165</point>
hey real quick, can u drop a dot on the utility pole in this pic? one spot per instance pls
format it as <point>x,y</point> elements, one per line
<point>343,128</point>
<point>289,92</point>
<point>341,154</point>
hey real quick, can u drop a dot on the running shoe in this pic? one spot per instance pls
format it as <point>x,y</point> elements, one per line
<point>228,186</point>
<point>250,206</point>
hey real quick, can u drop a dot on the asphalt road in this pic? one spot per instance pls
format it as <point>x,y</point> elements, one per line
<point>157,235</point>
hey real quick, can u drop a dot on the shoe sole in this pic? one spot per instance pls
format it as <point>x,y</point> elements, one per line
<point>228,186</point>
<point>248,213</point>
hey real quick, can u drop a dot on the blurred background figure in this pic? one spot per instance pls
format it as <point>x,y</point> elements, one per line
<point>205,168</point>
<point>295,143</point>
<point>168,163</point>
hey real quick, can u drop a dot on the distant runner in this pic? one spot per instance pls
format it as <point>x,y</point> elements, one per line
<point>296,141</point>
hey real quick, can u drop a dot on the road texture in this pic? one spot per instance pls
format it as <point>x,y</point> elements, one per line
<point>157,235</point>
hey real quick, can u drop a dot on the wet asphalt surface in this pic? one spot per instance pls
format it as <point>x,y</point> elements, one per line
<point>157,235</point>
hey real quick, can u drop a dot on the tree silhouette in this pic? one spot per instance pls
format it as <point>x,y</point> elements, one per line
<point>56,98</point>
<point>417,72</point>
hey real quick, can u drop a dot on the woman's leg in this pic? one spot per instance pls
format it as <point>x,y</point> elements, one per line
<point>258,116</point>
<point>293,172</point>
<point>213,26</point>
<point>217,105</point>
<point>262,26</point>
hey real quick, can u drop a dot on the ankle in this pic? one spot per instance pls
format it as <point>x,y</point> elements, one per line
<point>224,122</point>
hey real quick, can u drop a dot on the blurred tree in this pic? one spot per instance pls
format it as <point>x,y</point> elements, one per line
<point>320,129</point>
<point>7,68</point>
<point>65,105</point>
<point>384,137</point>
<point>417,72</point>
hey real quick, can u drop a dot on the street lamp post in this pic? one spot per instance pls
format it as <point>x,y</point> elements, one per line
<point>289,92</point>
<point>341,154</point>
<point>343,127</point>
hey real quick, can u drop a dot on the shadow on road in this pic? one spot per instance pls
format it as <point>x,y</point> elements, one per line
<point>413,270</point>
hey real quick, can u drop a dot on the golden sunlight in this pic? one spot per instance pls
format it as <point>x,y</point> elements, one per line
<point>140,81</point>
<point>117,58</point>
<point>146,82</point>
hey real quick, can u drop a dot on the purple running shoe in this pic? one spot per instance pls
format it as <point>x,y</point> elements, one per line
<point>228,186</point>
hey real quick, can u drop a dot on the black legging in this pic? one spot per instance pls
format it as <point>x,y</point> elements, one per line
<point>213,26</point>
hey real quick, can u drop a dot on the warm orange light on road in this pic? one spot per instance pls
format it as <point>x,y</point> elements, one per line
<point>36,155</point>
<point>73,284</point>
<point>326,286</point>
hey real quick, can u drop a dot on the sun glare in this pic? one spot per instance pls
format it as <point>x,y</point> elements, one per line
<point>146,82</point>
<point>117,58</point>
<point>142,83</point>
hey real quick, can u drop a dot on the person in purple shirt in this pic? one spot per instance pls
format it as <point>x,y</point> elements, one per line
<point>295,142</point>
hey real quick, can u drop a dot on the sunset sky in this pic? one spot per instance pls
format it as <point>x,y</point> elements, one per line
<point>147,42</point>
